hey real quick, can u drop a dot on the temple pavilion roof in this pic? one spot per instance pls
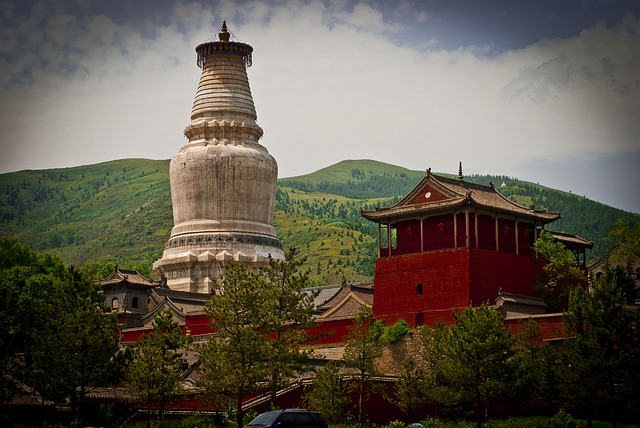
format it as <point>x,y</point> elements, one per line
<point>345,302</point>
<point>122,276</point>
<point>571,241</point>
<point>438,195</point>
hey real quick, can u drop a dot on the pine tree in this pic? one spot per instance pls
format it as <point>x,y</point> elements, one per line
<point>328,394</point>
<point>363,348</point>
<point>410,388</point>
<point>234,358</point>
<point>602,348</point>
<point>155,372</point>
<point>471,360</point>
<point>289,315</point>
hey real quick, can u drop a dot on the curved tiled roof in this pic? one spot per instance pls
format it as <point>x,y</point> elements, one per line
<point>125,275</point>
<point>457,194</point>
<point>571,241</point>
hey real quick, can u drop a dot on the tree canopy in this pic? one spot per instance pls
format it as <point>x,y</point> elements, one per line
<point>561,273</point>
<point>58,337</point>
<point>288,317</point>
<point>158,361</point>
<point>328,393</point>
<point>471,360</point>
<point>234,358</point>
<point>602,348</point>
<point>363,347</point>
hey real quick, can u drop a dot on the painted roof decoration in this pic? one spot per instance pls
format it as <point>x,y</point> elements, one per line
<point>436,194</point>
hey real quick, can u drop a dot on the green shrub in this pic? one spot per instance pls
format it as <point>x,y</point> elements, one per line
<point>196,422</point>
<point>563,419</point>
<point>394,332</point>
<point>395,424</point>
<point>521,422</point>
<point>443,423</point>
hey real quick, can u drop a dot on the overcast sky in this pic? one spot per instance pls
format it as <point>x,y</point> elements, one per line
<point>545,91</point>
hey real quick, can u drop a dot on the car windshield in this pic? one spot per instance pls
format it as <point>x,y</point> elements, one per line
<point>264,419</point>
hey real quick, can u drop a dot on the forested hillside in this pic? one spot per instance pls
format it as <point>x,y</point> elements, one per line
<point>116,211</point>
<point>120,212</point>
<point>581,216</point>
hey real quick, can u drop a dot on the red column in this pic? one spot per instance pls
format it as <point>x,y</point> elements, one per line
<point>466,226</point>
<point>497,234</point>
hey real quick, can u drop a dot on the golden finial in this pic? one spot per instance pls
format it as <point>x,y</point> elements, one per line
<point>224,34</point>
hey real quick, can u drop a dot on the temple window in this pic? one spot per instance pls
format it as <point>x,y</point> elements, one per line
<point>115,304</point>
<point>134,302</point>
<point>419,289</point>
<point>419,319</point>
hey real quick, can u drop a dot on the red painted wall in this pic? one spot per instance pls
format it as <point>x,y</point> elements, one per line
<point>491,270</point>
<point>438,232</point>
<point>507,235</point>
<point>450,280</point>
<point>329,332</point>
<point>325,333</point>
<point>198,325</point>
<point>526,233</point>
<point>461,230</point>
<point>486,232</point>
<point>131,336</point>
<point>444,276</point>
<point>408,237</point>
<point>550,327</point>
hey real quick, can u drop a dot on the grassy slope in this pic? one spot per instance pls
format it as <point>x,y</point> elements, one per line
<point>342,172</point>
<point>120,211</point>
<point>114,211</point>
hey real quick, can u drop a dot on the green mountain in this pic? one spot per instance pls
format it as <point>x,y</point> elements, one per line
<point>120,212</point>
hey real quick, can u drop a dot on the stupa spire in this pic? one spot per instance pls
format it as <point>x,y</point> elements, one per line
<point>224,34</point>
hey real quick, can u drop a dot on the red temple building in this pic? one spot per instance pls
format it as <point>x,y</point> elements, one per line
<point>450,244</point>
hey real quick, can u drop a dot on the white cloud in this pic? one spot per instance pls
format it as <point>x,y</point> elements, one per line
<point>328,83</point>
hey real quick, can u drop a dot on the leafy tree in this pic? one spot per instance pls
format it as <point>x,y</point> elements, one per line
<point>539,372</point>
<point>30,288</point>
<point>14,253</point>
<point>626,258</point>
<point>602,348</point>
<point>58,340</point>
<point>155,371</point>
<point>328,394</point>
<point>560,269</point>
<point>472,359</point>
<point>96,270</point>
<point>364,346</point>
<point>629,239</point>
<point>289,315</point>
<point>233,359</point>
<point>626,281</point>
<point>410,389</point>
<point>77,349</point>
